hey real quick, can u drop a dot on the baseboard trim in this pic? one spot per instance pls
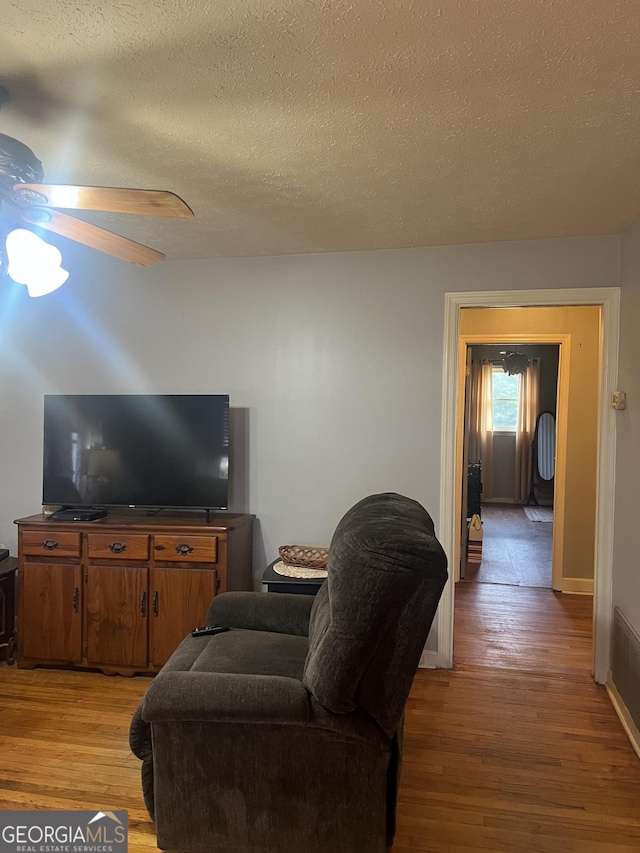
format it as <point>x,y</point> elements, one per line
<point>625,717</point>
<point>428,659</point>
<point>577,586</point>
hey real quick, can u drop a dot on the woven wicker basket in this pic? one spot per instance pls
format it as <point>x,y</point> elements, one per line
<point>303,555</point>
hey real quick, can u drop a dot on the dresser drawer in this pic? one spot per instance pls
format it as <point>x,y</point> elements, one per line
<point>118,546</point>
<point>50,543</point>
<point>201,549</point>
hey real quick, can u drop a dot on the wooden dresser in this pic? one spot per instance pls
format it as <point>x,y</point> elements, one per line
<point>120,593</point>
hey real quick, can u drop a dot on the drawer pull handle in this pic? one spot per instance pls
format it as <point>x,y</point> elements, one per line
<point>156,596</point>
<point>143,604</point>
<point>184,549</point>
<point>76,599</point>
<point>50,544</point>
<point>117,547</point>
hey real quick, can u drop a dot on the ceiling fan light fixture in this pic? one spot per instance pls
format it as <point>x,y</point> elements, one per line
<point>34,263</point>
<point>515,362</point>
<point>22,187</point>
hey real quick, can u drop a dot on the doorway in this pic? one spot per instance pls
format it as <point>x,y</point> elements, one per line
<point>509,493</point>
<point>573,555</point>
<point>608,299</point>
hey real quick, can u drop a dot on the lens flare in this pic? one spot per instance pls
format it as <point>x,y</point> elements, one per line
<point>34,263</point>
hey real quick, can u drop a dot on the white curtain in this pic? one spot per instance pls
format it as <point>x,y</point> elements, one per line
<point>480,422</point>
<point>527,415</point>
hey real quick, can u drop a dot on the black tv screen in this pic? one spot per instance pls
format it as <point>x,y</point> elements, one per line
<point>147,450</point>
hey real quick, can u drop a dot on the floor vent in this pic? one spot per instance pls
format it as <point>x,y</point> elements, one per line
<point>625,667</point>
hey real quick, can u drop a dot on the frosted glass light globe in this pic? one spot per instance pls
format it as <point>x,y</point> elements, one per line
<point>34,263</point>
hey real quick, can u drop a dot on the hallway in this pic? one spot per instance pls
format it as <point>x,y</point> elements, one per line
<point>526,630</point>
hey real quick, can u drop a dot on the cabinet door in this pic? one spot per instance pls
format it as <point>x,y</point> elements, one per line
<point>117,607</point>
<point>51,620</point>
<point>180,600</point>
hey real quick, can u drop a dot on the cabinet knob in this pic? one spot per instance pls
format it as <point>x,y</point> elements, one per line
<point>50,544</point>
<point>117,547</point>
<point>184,549</point>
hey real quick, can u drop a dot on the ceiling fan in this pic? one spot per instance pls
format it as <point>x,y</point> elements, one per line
<point>27,198</point>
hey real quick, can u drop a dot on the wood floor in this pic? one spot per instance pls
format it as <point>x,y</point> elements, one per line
<point>514,550</point>
<point>516,750</point>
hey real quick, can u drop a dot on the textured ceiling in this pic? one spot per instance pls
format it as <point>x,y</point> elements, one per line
<point>293,126</point>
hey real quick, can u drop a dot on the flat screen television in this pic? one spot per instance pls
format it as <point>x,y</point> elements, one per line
<point>136,450</point>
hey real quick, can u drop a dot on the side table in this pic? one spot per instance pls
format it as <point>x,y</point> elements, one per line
<point>8,569</point>
<point>282,583</point>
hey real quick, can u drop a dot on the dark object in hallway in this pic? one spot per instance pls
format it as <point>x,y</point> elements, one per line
<point>474,489</point>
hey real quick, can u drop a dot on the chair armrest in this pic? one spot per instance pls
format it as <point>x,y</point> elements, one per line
<point>279,612</point>
<point>225,697</point>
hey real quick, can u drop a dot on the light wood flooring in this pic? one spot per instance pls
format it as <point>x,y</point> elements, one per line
<point>514,550</point>
<point>516,750</point>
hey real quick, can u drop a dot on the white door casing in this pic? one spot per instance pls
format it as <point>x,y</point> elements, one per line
<point>608,298</point>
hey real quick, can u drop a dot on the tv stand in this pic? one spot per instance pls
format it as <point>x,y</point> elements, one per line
<point>68,513</point>
<point>120,593</point>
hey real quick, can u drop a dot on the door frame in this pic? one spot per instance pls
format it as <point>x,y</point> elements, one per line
<point>608,298</point>
<point>563,341</point>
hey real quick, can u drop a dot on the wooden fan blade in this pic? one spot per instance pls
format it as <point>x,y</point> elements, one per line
<point>111,199</point>
<point>92,235</point>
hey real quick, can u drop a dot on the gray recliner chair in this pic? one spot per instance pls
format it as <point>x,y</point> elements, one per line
<point>284,734</point>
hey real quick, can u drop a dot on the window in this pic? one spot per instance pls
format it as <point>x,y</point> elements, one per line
<point>505,401</point>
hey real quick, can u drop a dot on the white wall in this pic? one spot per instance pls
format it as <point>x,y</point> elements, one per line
<point>333,364</point>
<point>626,587</point>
